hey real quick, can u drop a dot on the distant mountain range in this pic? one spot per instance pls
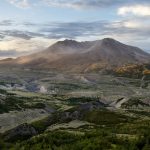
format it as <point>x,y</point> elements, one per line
<point>70,55</point>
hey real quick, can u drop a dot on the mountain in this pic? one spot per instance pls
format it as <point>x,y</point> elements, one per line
<point>70,55</point>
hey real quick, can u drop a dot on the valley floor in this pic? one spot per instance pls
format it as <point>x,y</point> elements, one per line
<point>58,111</point>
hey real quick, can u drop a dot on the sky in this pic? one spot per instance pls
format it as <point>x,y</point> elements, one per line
<point>28,26</point>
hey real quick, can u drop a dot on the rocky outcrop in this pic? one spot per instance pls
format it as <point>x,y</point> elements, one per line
<point>78,112</point>
<point>20,132</point>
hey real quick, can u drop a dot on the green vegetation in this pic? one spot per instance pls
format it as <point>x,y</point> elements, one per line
<point>3,91</point>
<point>12,102</point>
<point>41,125</point>
<point>105,117</point>
<point>127,136</point>
<point>79,100</point>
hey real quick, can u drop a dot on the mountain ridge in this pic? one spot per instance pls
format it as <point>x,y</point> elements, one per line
<point>78,56</point>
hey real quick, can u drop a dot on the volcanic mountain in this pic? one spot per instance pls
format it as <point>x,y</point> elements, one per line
<point>70,55</point>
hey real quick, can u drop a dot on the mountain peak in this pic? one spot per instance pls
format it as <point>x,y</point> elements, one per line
<point>67,42</point>
<point>109,41</point>
<point>70,46</point>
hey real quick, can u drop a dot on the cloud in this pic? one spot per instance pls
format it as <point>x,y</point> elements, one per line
<point>75,4</point>
<point>73,29</point>
<point>132,24</point>
<point>11,53</point>
<point>129,30</point>
<point>37,37</point>
<point>23,45</point>
<point>27,35</point>
<point>81,4</point>
<point>16,33</point>
<point>137,10</point>
<point>1,36</point>
<point>6,23</point>
<point>20,3</point>
<point>23,30</point>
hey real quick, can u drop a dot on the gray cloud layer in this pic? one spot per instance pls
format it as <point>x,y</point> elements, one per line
<point>11,53</point>
<point>84,30</point>
<point>6,23</point>
<point>59,30</point>
<point>74,3</point>
<point>91,3</point>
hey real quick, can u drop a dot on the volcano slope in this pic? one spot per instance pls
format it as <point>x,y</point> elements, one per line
<point>73,56</point>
